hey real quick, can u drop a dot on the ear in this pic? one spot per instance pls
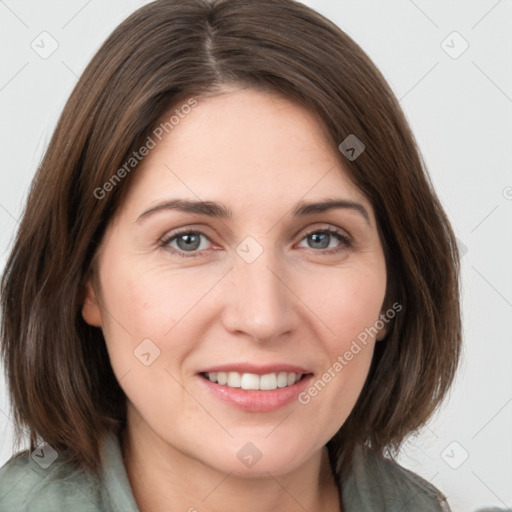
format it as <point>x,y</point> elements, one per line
<point>91,312</point>
<point>382,333</point>
<point>386,306</point>
<point>386,323</point>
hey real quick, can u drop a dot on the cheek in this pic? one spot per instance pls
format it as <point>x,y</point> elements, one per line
<point>144,301</point>
<point>350,307</point>
<point>141,309</point>
<point>348,301</point>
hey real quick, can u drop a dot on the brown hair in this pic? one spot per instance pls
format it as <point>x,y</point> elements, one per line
<point>61,383</point>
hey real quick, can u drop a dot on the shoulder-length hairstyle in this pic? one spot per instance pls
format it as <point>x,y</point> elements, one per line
<point>62,386</point>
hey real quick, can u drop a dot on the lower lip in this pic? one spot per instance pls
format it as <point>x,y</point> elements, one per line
<point>252,400</point>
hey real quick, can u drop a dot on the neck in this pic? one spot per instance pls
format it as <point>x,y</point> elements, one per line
<point>163,478</point>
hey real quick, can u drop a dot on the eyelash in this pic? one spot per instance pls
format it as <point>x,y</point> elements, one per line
<point>345,241</point>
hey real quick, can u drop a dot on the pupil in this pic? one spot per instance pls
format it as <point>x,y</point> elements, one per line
<point>317,237</point>
<point>190,243</point>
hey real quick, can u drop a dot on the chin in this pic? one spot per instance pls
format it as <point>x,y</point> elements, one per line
<point>255,456</point>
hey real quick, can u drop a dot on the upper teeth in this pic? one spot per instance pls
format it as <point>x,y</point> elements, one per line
<point>268,381</point>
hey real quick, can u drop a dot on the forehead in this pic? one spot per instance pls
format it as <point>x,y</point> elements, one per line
<point>245,148</point>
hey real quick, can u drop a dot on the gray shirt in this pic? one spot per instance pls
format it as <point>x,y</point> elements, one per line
<point>373,484</point>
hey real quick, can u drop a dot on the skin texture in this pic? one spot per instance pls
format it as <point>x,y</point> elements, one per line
<point>258,154</point>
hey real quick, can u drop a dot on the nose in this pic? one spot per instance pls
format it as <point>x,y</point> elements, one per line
<point>260,302</point>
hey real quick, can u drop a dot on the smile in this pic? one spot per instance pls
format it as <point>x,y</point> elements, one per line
<point>267,382</point>
<point>251,392</point>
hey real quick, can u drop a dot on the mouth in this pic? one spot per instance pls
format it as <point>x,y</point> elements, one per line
<point>251,392</point>
<point>253,381</point>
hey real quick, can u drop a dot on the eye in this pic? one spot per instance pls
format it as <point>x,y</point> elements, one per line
<point>186,241</point>
<point>322,238</point>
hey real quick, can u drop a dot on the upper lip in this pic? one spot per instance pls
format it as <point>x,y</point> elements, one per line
<point>256,369</point>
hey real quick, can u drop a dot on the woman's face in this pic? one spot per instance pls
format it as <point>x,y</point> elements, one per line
<point>250,286</point>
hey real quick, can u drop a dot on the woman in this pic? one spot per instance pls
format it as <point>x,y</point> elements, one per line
<point>233,285</point>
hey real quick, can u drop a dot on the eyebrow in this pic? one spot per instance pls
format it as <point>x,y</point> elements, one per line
<point>219,211</point>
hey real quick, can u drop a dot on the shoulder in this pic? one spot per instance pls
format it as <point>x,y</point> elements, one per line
<point>27,485</point>
<point>379,483</point>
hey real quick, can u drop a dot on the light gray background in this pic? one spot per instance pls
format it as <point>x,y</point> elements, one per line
<point>460,110</point>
